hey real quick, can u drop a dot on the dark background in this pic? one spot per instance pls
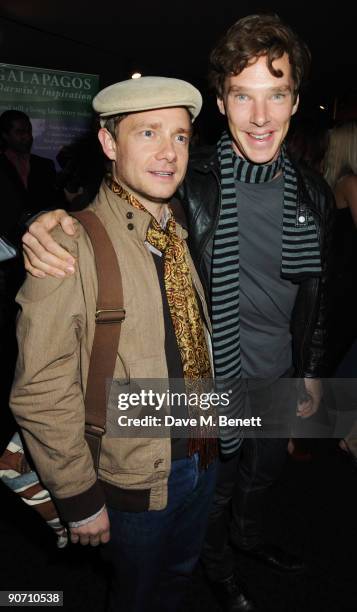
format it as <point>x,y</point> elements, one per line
<point>312,509</point>
<point>174,38</point>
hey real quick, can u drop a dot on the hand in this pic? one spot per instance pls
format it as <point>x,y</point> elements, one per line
<point>94,533</point>
<point>309,406</point>
<point>43,256</point>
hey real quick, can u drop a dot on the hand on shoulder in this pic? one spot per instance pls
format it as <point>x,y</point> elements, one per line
<point>42,254</point>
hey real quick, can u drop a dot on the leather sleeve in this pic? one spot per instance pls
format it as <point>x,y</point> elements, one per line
<point>315,353</point>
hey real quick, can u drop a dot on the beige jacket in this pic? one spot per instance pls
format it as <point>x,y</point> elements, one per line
<point>55,334</point>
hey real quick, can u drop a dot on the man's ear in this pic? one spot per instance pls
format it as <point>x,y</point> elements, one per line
<point>296,105</point>
<point>108,143</point>
<point>220,104</point>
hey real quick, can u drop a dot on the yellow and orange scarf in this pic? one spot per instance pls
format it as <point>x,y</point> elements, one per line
<point>184,310</point>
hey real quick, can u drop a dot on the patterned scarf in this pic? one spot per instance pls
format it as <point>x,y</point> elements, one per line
<point>185,315</point>
<point>300,257</point>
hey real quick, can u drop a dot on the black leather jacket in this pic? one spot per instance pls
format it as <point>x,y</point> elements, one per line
<point>200,195</point>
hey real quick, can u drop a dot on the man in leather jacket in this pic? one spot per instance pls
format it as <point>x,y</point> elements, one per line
<point>200,194</point>
<point>264,269</point>
<point>256,70</point>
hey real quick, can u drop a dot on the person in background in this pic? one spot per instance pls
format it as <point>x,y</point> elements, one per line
<point>340,170</point>
<point>307,142</point>
<point>28,181</point>
<point>27,185</point>
<point>83,166</point>
<point>340,166</point>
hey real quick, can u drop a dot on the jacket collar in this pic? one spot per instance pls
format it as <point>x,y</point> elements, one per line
<point>205,160</point>
<point>109,205</point>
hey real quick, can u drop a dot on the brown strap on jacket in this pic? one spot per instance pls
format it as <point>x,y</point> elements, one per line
<point>109,316</point>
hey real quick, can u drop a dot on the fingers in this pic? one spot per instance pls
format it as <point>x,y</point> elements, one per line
<point>48,221</point>
<point>95,532</point>
<point>87,538</point>
<point>82,539</point>
<point>101,538</point>
<point>39,268</point>
<point>40,240</point>
<point>67,223</point>
<point>46,257</point>
<point>310,401</point>
<point>42,253</point>
<point>74,537</point>
<point>306,409</point>
<point>105,537</point>
<point>34,271</point>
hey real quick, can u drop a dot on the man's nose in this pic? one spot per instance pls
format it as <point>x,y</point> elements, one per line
<point>167,150</point>
<point>260,113</point>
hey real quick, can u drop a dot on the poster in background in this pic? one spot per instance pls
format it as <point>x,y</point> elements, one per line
<point>58,103</point>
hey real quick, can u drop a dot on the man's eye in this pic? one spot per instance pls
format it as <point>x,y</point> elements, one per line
<point>148,133</point>
<point>241,97</point>
<point>182,138</point>
<point>278,96</point>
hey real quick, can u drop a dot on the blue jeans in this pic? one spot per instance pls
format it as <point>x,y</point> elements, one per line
<point>153,553</point>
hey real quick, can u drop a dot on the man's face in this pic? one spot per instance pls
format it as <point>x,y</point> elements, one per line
<point>259,107</point>
<point>19,137</point>
<point>150,153</point>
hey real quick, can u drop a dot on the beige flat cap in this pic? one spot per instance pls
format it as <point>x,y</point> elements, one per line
<point>147,93</point>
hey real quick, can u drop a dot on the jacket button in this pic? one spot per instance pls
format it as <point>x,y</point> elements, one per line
<point>130,226</point>
<point>302,219</point>
<point>158,462</point>
<point>129,215</point>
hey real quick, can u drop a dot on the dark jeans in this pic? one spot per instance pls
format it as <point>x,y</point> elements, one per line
<point>242,484</point>
<point>153,554</point>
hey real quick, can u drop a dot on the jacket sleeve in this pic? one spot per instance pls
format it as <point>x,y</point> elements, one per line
<point>47,396</point>
<point>315,359</point>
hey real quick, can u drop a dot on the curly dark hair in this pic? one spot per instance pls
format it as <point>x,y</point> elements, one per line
<point>255,36</point>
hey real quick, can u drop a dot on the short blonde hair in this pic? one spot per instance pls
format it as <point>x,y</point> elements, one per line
<point>111,124</point>
<point>341,155</point>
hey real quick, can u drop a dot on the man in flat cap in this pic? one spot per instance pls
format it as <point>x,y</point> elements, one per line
<point>150,501</point>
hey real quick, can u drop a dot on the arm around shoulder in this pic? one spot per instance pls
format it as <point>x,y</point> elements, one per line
<point>43,255</point>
